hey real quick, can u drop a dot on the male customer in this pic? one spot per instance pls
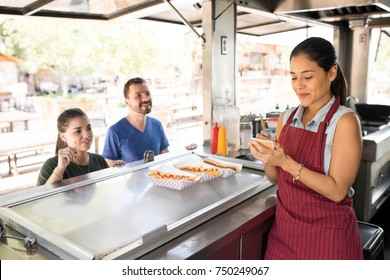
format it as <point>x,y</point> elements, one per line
<point>130,137</point>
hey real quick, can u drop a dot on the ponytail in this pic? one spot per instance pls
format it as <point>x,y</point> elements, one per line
<point>339,86</point>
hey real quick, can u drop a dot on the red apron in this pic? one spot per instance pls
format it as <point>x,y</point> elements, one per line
<point>308,225</point>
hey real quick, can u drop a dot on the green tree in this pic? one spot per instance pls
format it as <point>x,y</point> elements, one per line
<point>86,47</point>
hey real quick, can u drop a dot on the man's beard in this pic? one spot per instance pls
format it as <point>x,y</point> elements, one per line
<point>147,111</point>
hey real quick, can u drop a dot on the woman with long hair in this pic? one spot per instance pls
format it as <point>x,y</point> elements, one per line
<point>72,158</point>
<point>318,147</point>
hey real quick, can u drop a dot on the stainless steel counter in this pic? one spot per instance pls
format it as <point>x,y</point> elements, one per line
<point>118,213</point>
<point>222,230</point>
<point>372,184</point>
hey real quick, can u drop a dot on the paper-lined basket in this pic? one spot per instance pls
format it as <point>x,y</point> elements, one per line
<point>195,163</point>
<point>173,183</point>
<point>227,168</point>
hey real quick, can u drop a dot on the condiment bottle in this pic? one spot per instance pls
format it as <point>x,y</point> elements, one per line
<point>229,115</point>
<point>214,139</point>
<point>256,126</point>
<point>245,134</point>
<point>222,142</point>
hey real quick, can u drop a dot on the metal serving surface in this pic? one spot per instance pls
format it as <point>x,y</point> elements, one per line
<point>376,144</point>
<point>125,216</point>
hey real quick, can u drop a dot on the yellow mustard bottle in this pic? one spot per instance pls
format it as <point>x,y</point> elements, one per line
<point>222,148</point>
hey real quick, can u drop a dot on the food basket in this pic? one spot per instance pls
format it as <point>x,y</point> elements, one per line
<point>177,184</point>
<point>227,168</point>
<point>194,164</point>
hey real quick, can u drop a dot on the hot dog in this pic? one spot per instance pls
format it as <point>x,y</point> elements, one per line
<point>221,164</point>
<point>212,171</point>
<point>170,176</point>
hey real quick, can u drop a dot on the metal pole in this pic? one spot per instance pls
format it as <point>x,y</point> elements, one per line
<point>185,21</point>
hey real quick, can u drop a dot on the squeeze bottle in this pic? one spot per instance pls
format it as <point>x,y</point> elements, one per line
<point>229,115</point>
<point>222,143</point>
<point>214,139</point>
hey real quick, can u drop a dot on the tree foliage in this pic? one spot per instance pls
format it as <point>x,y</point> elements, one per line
<point>86,47</point>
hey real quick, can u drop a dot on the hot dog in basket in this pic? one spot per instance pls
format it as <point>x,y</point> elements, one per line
<point>169,176</point>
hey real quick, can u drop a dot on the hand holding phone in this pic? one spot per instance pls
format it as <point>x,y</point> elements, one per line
<point>269,144</point>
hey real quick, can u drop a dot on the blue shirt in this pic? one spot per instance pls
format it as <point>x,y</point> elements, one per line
<point>124,141</point>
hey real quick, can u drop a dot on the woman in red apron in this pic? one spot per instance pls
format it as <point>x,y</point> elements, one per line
<point>316,158</point>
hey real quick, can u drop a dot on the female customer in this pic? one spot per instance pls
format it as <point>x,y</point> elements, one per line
<point>73,142</point>
<point>316,158</point>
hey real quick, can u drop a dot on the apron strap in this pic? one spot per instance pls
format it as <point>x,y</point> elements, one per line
<point>320,143</point>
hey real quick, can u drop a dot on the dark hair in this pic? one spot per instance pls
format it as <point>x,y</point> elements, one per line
<point>323,53</point>
<point>130,82</point>
<point>63,121</point>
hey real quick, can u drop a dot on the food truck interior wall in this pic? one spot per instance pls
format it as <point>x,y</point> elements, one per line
<point>220,21</point>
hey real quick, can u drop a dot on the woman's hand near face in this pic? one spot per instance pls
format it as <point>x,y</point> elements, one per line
<point>66,156</point>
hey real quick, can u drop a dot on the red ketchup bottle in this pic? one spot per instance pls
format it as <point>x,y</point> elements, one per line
<point>214,139</point>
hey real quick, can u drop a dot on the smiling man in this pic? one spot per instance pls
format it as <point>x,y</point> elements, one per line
<point>130,137</point>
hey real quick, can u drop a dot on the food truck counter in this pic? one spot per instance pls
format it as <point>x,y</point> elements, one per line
<point>119,214</point>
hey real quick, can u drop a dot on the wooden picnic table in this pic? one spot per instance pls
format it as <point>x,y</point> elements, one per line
<point>6,101</point>
<point>11,117</point>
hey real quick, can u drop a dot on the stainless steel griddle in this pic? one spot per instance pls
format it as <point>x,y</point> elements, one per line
<point>118,213</point>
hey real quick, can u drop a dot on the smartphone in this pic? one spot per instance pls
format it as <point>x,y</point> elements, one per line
<point>266,143</point>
